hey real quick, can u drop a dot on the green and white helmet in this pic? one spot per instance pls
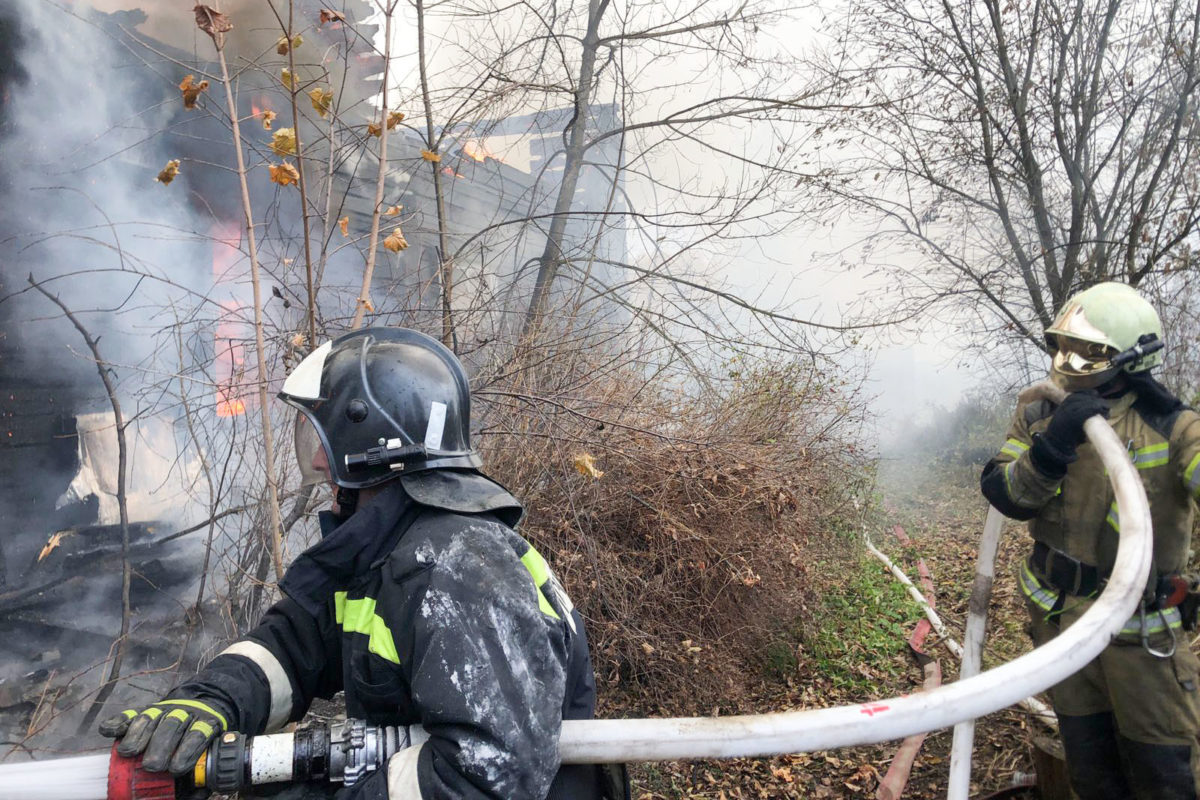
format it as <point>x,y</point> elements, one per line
<point>1097,324</point>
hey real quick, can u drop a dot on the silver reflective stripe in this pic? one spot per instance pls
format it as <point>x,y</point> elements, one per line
<point>305,381</point>
<point>277,679</point>
<point>1156,623</point>
<point>402,783</point>
<point>1043,599</point>
<point>1032,588</point>
<point>1156,455</point>
<point>1014,448</point>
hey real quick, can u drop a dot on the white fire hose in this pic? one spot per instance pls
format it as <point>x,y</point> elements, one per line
<point>894,718</point>
<point>637,740</point>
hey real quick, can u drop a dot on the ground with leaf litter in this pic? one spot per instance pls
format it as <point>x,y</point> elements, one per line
<point>854,649</point>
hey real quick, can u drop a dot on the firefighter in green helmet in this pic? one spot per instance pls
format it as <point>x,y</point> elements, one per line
<point>1130,718</point>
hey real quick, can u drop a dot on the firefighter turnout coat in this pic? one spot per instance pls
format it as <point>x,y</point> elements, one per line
<point>1147,678</point>
<point>423,614</point>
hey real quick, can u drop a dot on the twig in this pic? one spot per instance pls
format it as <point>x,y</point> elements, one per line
<point>364,294</point>
<point>259,341</point>
<point>114,671</point>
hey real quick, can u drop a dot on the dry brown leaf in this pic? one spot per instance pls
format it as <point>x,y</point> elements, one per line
<point>393,211</point>
<point>288,79</point>
<point>344,224</point>
<point>52,543</point>
<point>322,100</point>
<point>394,119</point>
<point>429,155</point>
<point>212,22</point>
<point>648,648</point>
<point>283,45</point>
<point>168,172</point>
<point>328,15</point>
<point>268,117</point>
<point>283,142</point>
<point>284,174</point>
<point>366,303</point>
<point>191,91</point>
<point>586,465</point>
<point>395,241</point>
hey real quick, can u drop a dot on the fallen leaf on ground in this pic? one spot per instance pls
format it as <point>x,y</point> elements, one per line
<point>168,173</point>
<point>284,174</point>
<point>191,91</point>
<point>586,465</point>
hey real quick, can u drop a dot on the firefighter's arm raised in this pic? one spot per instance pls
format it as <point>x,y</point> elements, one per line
<point>1030,467</point>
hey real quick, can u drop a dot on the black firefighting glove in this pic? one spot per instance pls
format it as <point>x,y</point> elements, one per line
<point>172,734</point>
<point>1053,450</point>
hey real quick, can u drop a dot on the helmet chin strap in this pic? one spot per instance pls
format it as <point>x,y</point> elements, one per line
<point>347,500</point>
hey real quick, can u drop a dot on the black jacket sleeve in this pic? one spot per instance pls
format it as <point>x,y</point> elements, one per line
<point>1016,481</point>
<point>270,676</point>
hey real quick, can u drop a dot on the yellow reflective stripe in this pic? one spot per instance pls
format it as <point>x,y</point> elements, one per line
<point>1171,616</point>
<point>358,616</point>
<point>205,707</point>
<point>129,713</point>
<point>539,570</point>
<point>1114,517</point>
<point>1014,447</point>
<point>1007,478</point>
<point>1155,455</point>
<point>153,712</point>
<point>203,727</point>
<point>1032,589</point>
<point>1191,475</point>
<point>178,714</point>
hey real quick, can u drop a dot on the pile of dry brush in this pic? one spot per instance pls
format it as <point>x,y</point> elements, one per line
<point>679,521</point>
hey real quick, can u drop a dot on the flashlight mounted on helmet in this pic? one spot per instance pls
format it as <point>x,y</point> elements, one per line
<point>391,453</point>
<point>1146,344</point>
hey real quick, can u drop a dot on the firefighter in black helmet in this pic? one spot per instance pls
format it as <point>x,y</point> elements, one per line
<point>421,601</point>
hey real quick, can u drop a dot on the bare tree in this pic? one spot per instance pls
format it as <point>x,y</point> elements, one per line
<point>1015,152</point>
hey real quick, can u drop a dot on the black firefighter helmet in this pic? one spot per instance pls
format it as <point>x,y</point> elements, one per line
<point>383,402</point>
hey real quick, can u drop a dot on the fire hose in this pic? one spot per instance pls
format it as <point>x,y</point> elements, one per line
<point>273,758</point>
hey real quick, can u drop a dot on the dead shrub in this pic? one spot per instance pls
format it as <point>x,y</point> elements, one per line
<point>689,551</point>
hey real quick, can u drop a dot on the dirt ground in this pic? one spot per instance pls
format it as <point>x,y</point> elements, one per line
<point>943,517</point>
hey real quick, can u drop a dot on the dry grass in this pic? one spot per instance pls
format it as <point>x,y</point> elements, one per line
<point>688,553</point>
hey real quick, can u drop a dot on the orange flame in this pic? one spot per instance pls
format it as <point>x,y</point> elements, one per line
<point>479,151</point>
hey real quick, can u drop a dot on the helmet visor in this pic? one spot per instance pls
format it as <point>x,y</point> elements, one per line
<point>1076,357</point>
<point>310,453</point>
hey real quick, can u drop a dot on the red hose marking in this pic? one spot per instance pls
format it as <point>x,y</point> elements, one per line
<point>872,710</point>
